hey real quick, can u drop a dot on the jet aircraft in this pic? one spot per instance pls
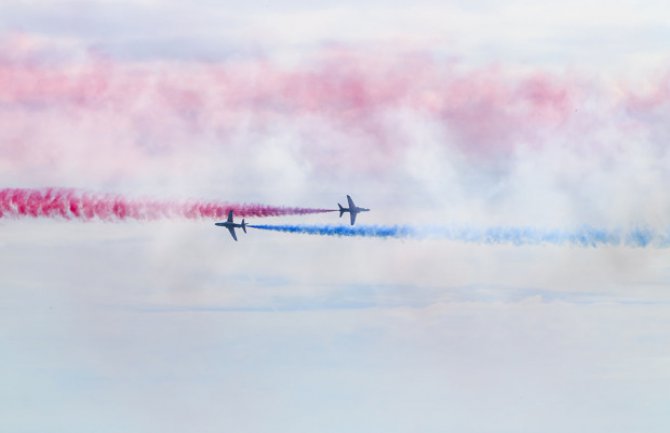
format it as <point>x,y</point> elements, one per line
<point>230,225</point>
<point>352,209</point>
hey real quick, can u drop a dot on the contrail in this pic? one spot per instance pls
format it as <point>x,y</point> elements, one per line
<point>78,205</point>
<point>583,237</point>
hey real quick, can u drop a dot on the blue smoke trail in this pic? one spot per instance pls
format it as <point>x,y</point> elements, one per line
<point>583,237</point>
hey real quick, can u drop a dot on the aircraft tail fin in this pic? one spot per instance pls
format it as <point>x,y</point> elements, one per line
<point>244,226</point>
<point>341,210</point>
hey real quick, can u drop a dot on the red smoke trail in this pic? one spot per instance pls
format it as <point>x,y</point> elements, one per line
<point>78,205</point>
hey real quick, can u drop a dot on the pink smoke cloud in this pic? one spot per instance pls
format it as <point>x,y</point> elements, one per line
<point>340,102</point>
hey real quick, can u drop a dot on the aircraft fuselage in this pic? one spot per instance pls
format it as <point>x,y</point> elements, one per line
<point>228,225</point>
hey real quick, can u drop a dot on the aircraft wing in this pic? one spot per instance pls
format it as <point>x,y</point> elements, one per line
<point>232,232</point>
<point>351,203</point>
<point>230,216</point>
<point>353,217</point>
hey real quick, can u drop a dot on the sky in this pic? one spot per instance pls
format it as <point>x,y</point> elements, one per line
<point>503,140</point>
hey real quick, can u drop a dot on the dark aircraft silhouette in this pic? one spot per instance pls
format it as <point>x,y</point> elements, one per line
<point>230,225</point>
<point>352,209</point>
